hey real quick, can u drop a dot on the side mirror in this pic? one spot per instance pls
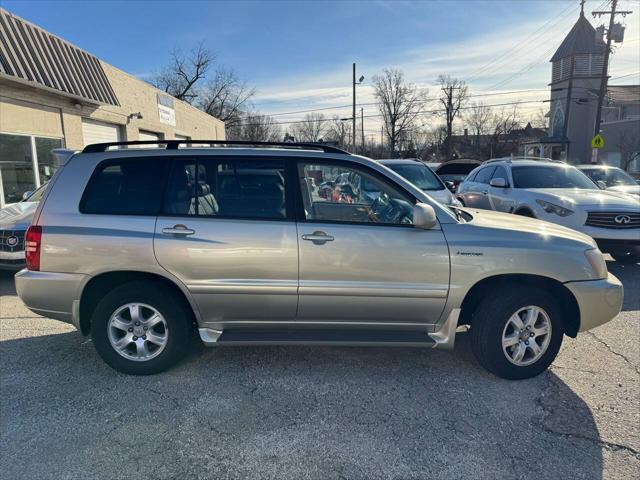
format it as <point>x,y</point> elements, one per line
<point>424,216</point>
<point>451,186</point>
<point>26,194</point>
<point>602,185</point>
<point>498,183</point>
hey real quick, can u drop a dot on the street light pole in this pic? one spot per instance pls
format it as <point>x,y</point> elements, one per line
<point>354,109</point>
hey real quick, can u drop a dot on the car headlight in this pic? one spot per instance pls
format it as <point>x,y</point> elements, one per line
<point>596,260</point>
<point>553,208</point>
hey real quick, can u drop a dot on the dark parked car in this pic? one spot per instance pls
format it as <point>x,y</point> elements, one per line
<point>454,172</point>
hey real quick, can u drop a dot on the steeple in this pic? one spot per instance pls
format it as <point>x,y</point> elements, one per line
<point>582,8</point>
<point>580,40</point>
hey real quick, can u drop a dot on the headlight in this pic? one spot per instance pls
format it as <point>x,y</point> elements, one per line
<point>553,208</point>
<point>596,260</point>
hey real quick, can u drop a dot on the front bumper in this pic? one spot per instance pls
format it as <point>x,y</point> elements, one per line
<point>623,234</point>
<point>52,295</point>
<point>599,301</point>
<point>12,260</point>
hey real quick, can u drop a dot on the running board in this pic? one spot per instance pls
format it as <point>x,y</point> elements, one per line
<point>320,336</point>
<point>444,337</point>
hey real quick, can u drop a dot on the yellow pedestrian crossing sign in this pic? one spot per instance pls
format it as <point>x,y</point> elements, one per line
<point>597,141</point>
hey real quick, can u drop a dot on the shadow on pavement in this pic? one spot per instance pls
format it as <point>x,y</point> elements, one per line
<point>629,275</point>
<point>297,412</point>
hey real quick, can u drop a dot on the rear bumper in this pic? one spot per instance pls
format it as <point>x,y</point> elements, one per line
<point>52,295</point>
<point>599,301</point>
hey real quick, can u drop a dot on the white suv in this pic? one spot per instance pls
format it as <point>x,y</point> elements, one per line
<point>559,193</point>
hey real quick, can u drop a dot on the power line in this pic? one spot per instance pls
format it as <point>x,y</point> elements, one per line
<point>515,49</point>
<point>419,112</point>
<point>627,75</point>
<point>429,99</point>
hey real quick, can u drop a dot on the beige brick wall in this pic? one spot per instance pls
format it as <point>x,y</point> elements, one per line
<point>31,110</point>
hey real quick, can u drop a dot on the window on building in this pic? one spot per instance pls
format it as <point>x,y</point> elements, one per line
<point>18,156</point>
<point>557,125</point>
<point>125,187</point>
<point>227,189</point>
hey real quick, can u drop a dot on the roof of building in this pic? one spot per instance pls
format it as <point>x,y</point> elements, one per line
<point>32,55</point>
<point>580,40</point>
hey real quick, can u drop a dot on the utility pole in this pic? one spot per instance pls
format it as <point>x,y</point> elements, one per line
<point>362,127</point>
<point>567,108</point>
<point>605,68</point>
<point>354,108</point>
<point>353,115</point>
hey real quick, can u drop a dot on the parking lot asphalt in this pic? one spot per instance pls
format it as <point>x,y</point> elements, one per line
<point>317,412</point>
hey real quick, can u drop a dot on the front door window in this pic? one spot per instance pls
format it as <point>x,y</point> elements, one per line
<point>345,194</point>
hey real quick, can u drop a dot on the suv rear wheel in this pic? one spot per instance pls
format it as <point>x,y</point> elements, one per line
<point>141,328</point>
<point>517,334</point>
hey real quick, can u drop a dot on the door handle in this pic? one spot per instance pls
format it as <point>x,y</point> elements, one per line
<point>318,238</point>
<point>178,230</point>
<point>485,192</point>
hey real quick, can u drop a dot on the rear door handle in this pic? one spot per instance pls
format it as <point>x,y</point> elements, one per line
<point>179,230</point>
<point>318,238</point>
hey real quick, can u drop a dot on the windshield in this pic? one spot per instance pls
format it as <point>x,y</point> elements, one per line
<point>420,175</point>
<point>550,176</point>
<point>612,177</point>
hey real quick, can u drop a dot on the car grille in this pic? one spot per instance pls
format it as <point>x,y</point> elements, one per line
<point>7,238</point>
<point>613,219</point>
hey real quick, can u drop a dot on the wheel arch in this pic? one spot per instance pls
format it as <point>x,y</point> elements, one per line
<point>99,285</point>
<point>524,210</point>
<point>567,302</point>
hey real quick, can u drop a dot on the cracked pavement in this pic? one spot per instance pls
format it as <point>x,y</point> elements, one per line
<point>317,412</point>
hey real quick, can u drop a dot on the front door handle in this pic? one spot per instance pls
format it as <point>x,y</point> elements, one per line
<point>318,238</point>
<point>485,192</point>
<point>179,230</point>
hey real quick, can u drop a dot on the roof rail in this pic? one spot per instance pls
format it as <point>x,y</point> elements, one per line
<point>516,159</point>
<point>174,144</point>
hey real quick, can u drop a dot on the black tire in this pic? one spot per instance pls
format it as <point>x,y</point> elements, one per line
<point>488,323</point>
<point>177,315</point>
<point>626,257</point>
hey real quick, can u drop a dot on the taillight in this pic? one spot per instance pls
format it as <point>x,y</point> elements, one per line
<point>32,244</point>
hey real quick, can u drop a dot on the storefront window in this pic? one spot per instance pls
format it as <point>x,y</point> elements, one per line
<point>46,165</point>
<point>16,167</point>
<point>17,161</point>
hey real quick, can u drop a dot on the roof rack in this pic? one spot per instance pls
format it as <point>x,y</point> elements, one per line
<point>174,144</point>
<point>517,159</point>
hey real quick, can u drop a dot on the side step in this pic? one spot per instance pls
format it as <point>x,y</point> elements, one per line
<point>319,336</point>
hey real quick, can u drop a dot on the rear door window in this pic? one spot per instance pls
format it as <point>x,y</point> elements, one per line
<point>216,187</point>
<point>125,187</point>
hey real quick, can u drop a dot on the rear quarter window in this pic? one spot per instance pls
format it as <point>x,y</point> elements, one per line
<point>125,187</point>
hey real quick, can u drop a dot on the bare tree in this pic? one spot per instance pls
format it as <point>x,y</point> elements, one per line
<point>224,97</point>
<point>259,128</point>
<point>185,71</point>
<point>540,119</point>
<point>339,131</point>
<point>503,123</point>
<point>453,97</point>
<point>312,128</point>
<point>399,103</point>
<point>629,148</point>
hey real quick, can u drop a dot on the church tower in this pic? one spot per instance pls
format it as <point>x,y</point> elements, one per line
<point>576,72</point>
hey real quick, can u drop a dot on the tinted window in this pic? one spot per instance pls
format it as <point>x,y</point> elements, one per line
<point>229,189</point>
<point>125,187</point>
<point>500,172</point>
<point>612,177</point>
<point>471,177</point>
<point>339,193</point>
<point>420,175</point>
<point>550,176</point>
<point>484,175</point>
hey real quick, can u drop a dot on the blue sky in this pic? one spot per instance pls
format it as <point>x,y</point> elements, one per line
<point>298,54</point>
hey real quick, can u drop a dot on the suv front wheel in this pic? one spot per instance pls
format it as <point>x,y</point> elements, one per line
<point>517,334</point>
<point>141,328</point>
